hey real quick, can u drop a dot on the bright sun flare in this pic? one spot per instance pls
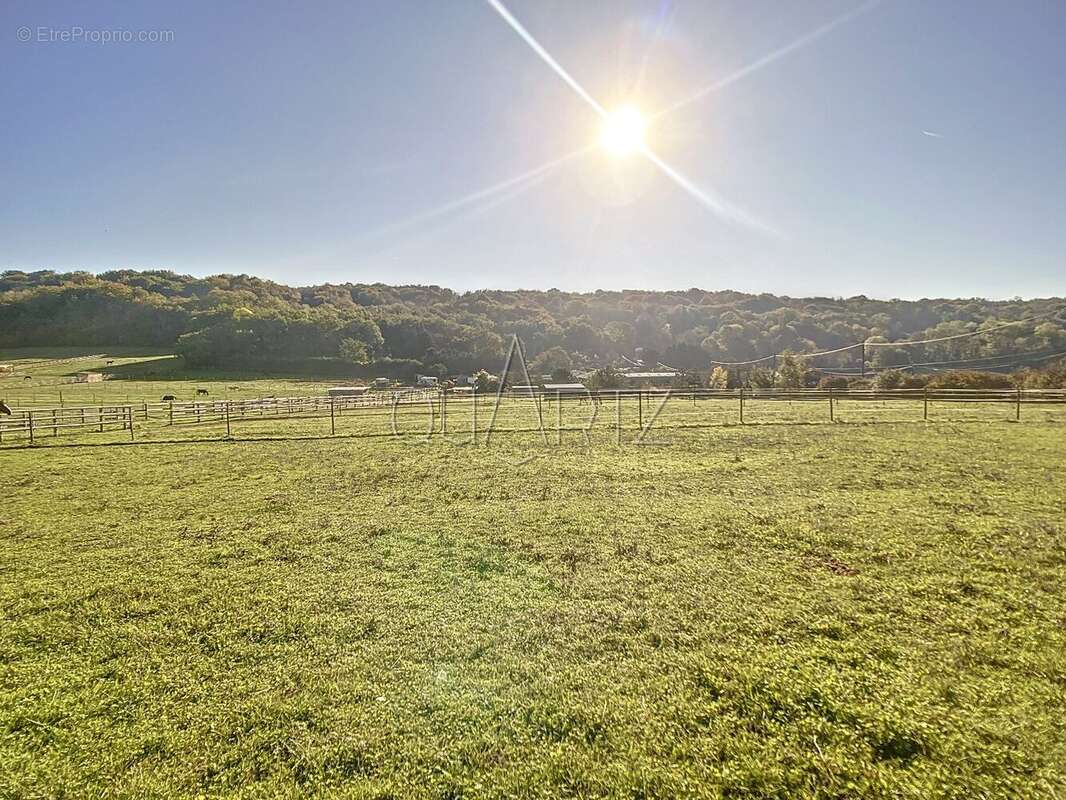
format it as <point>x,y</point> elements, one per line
<point>623,131</point>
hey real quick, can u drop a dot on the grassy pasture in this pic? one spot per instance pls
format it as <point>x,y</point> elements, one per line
<point>768,611</point>
<point>137,375</point>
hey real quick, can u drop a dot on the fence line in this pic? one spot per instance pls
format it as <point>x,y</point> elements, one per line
<point>32,423</point>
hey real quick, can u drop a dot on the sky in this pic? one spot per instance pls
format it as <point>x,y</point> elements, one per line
<point>912,149</point>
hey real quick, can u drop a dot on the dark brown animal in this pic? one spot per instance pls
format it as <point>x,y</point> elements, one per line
<point>202,393</point>
<point>4,409</point>
<point>27,378</point>
<point>110,361</point>
<point>169,398</point>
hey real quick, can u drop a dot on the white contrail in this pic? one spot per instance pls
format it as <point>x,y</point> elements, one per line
<point>709,199</point>
<point>544,54</point>
<point>758,64</point>
<point>934,134</point>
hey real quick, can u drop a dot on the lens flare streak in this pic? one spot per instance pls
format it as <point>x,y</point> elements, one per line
<point>518,183</point>
<point>709,199</point>
<point>546,56</point>
<point>768,59</point>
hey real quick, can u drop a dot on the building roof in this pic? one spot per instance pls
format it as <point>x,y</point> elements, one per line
<point>564,387</point>
<point>652,374</point>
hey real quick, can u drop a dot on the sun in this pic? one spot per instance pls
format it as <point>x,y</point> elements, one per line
<point>623,131</point>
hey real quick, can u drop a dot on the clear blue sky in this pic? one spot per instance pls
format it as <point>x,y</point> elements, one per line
<point>311,142</point>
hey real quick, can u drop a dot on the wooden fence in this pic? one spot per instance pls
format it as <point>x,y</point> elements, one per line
<point>33,423</point>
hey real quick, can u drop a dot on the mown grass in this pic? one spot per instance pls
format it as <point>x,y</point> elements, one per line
<point>770,611</point>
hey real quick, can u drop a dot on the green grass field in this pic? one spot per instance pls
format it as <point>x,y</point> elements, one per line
<point>138,375</point>
<point>769,611</point>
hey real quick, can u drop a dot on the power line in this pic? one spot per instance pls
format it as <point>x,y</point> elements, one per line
<point>906,343</point>
<point>981,362</point>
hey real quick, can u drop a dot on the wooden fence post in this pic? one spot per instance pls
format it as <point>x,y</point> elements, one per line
<point>171,412</point>
<point>925,404</point>
<point>1018,406</point>
<point>227,418</point>
<point>129,415</point>
<point>831,404</point>
<point>558,417</point>
<point>473,416</point>
<point>31,427</point>
<point>640,409</point>
<point>741,405</point>
<point>332,417</point>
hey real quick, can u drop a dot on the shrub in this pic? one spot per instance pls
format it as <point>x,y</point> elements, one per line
<point>898,379</point>
<point>606,378</point>
<point>971,379</point>
<point>719,378</point>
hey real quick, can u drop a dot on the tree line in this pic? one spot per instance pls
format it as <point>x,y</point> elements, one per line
<point>242,321</point>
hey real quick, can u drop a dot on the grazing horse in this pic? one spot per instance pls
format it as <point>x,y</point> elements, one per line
<point>27,378</point>
<point>168,398</point>
<point>110,361</point>
<point>4,408</point>
<point>202,392</point>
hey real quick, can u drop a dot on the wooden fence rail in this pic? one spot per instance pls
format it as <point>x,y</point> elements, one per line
<point>36,422</point>
<point>32,423</point>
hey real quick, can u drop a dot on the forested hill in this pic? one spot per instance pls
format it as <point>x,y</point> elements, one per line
<point>236,319</point>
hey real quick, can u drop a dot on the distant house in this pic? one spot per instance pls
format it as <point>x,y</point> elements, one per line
<point>427,382</point>
<point>89,377</point>
<point>379,383</point>
<point>346,391</point>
